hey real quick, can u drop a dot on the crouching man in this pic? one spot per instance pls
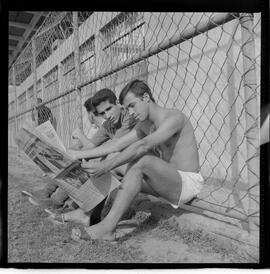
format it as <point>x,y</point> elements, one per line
<point>117,123</point>
<point>174,176</point>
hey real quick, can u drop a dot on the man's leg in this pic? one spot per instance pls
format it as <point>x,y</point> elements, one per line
<point>46,191</point>
<point>77,215</point>
<point>59,196</point>
<point>86,218</point>
<point>162,180</point>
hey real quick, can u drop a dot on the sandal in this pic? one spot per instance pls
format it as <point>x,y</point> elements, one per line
<point>56,218</point>
<point>79,235</point>
<point>26,193</point>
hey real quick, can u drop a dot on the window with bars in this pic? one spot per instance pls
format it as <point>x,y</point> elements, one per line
<point>22,102</point>
<point>31,94</point>
<point>124,36</point>
<point>68,63</point>
<point>87,53</point>
<point>51,77</point>
<point>11,109</point>
<point>87,49</point>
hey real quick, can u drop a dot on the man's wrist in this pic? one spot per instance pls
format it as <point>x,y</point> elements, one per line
<point>109,164</point>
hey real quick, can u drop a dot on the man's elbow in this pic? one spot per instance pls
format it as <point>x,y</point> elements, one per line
<point>142,147</point>
<point>120,144</point>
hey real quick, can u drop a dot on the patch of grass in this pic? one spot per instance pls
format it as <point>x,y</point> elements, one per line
<point>31,238</point>
<point>201,241</point>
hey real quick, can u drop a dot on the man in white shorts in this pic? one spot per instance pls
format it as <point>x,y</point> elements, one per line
<point>174,176</point>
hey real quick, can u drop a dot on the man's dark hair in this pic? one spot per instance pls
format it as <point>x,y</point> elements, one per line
<point>138,88</point>
<point>39,100</point>
<point>104,95</point>
<point>89,106</point>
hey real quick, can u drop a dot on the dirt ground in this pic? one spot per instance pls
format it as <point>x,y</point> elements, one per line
<point>152,231</point>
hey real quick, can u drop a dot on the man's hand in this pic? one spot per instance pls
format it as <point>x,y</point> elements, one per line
<point>75,154</point>
<point>109,126</point>
<point>95,167</point>
<point>132,120</point>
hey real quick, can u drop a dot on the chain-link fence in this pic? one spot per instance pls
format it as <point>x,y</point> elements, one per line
<point>207,65</point>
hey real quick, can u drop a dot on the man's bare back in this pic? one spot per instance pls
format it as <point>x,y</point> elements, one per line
<point>173,177</point>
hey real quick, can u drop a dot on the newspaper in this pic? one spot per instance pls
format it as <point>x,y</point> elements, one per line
<point>46,150</point>
<point>50,134</point>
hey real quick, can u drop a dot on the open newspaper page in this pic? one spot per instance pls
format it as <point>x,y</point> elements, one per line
<point>50,134</point>
<point>86,191</point>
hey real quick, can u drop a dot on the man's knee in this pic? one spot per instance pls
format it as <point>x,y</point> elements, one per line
<point>59,196</point>
<point>143,162</point>
<point>134,175</point>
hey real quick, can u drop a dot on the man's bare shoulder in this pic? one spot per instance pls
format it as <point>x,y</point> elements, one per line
<point>173,114</point>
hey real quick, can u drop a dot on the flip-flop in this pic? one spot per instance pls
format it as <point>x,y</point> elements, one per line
<point>26,193</point>
<point>43,203</point>
<point>32,201</point>
<point>56,218</point>
<point>79,235</point>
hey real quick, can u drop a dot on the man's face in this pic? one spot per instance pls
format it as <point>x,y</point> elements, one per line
<point>108,110</point>
<point>136,106</point>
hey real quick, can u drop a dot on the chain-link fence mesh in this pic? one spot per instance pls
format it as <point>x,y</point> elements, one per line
<point>207,65</point>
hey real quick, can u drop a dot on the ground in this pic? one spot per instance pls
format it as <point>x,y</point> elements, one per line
<point>152,231</point>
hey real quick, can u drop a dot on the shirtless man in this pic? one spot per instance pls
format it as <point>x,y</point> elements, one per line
<point>174,177</point>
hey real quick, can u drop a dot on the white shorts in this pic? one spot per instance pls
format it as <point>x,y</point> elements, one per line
<point>192,184</point>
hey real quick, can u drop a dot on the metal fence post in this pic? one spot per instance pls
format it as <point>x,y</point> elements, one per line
<point>252,118</point>
<point>61,102</point>
<point>42,87</point>
<point>15,100</point>
<point>77,67</point>
<point>99,57</point>
<point>34,71</point>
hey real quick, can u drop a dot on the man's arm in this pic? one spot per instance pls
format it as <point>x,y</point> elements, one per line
<point>167,129</point>
<point>112,146</point>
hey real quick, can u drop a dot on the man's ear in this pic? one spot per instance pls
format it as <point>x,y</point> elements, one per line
<point>146,97</point>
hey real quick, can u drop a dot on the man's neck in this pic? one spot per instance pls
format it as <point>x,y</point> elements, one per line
<point>155,113</point>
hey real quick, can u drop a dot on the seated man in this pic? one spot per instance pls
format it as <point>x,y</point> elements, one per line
<point>173,177</point>
<point>118,123</point>
<point>51,195</point>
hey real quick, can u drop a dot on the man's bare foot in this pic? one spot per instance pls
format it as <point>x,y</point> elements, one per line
<point>95,232</point>
<point>78,216</point>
